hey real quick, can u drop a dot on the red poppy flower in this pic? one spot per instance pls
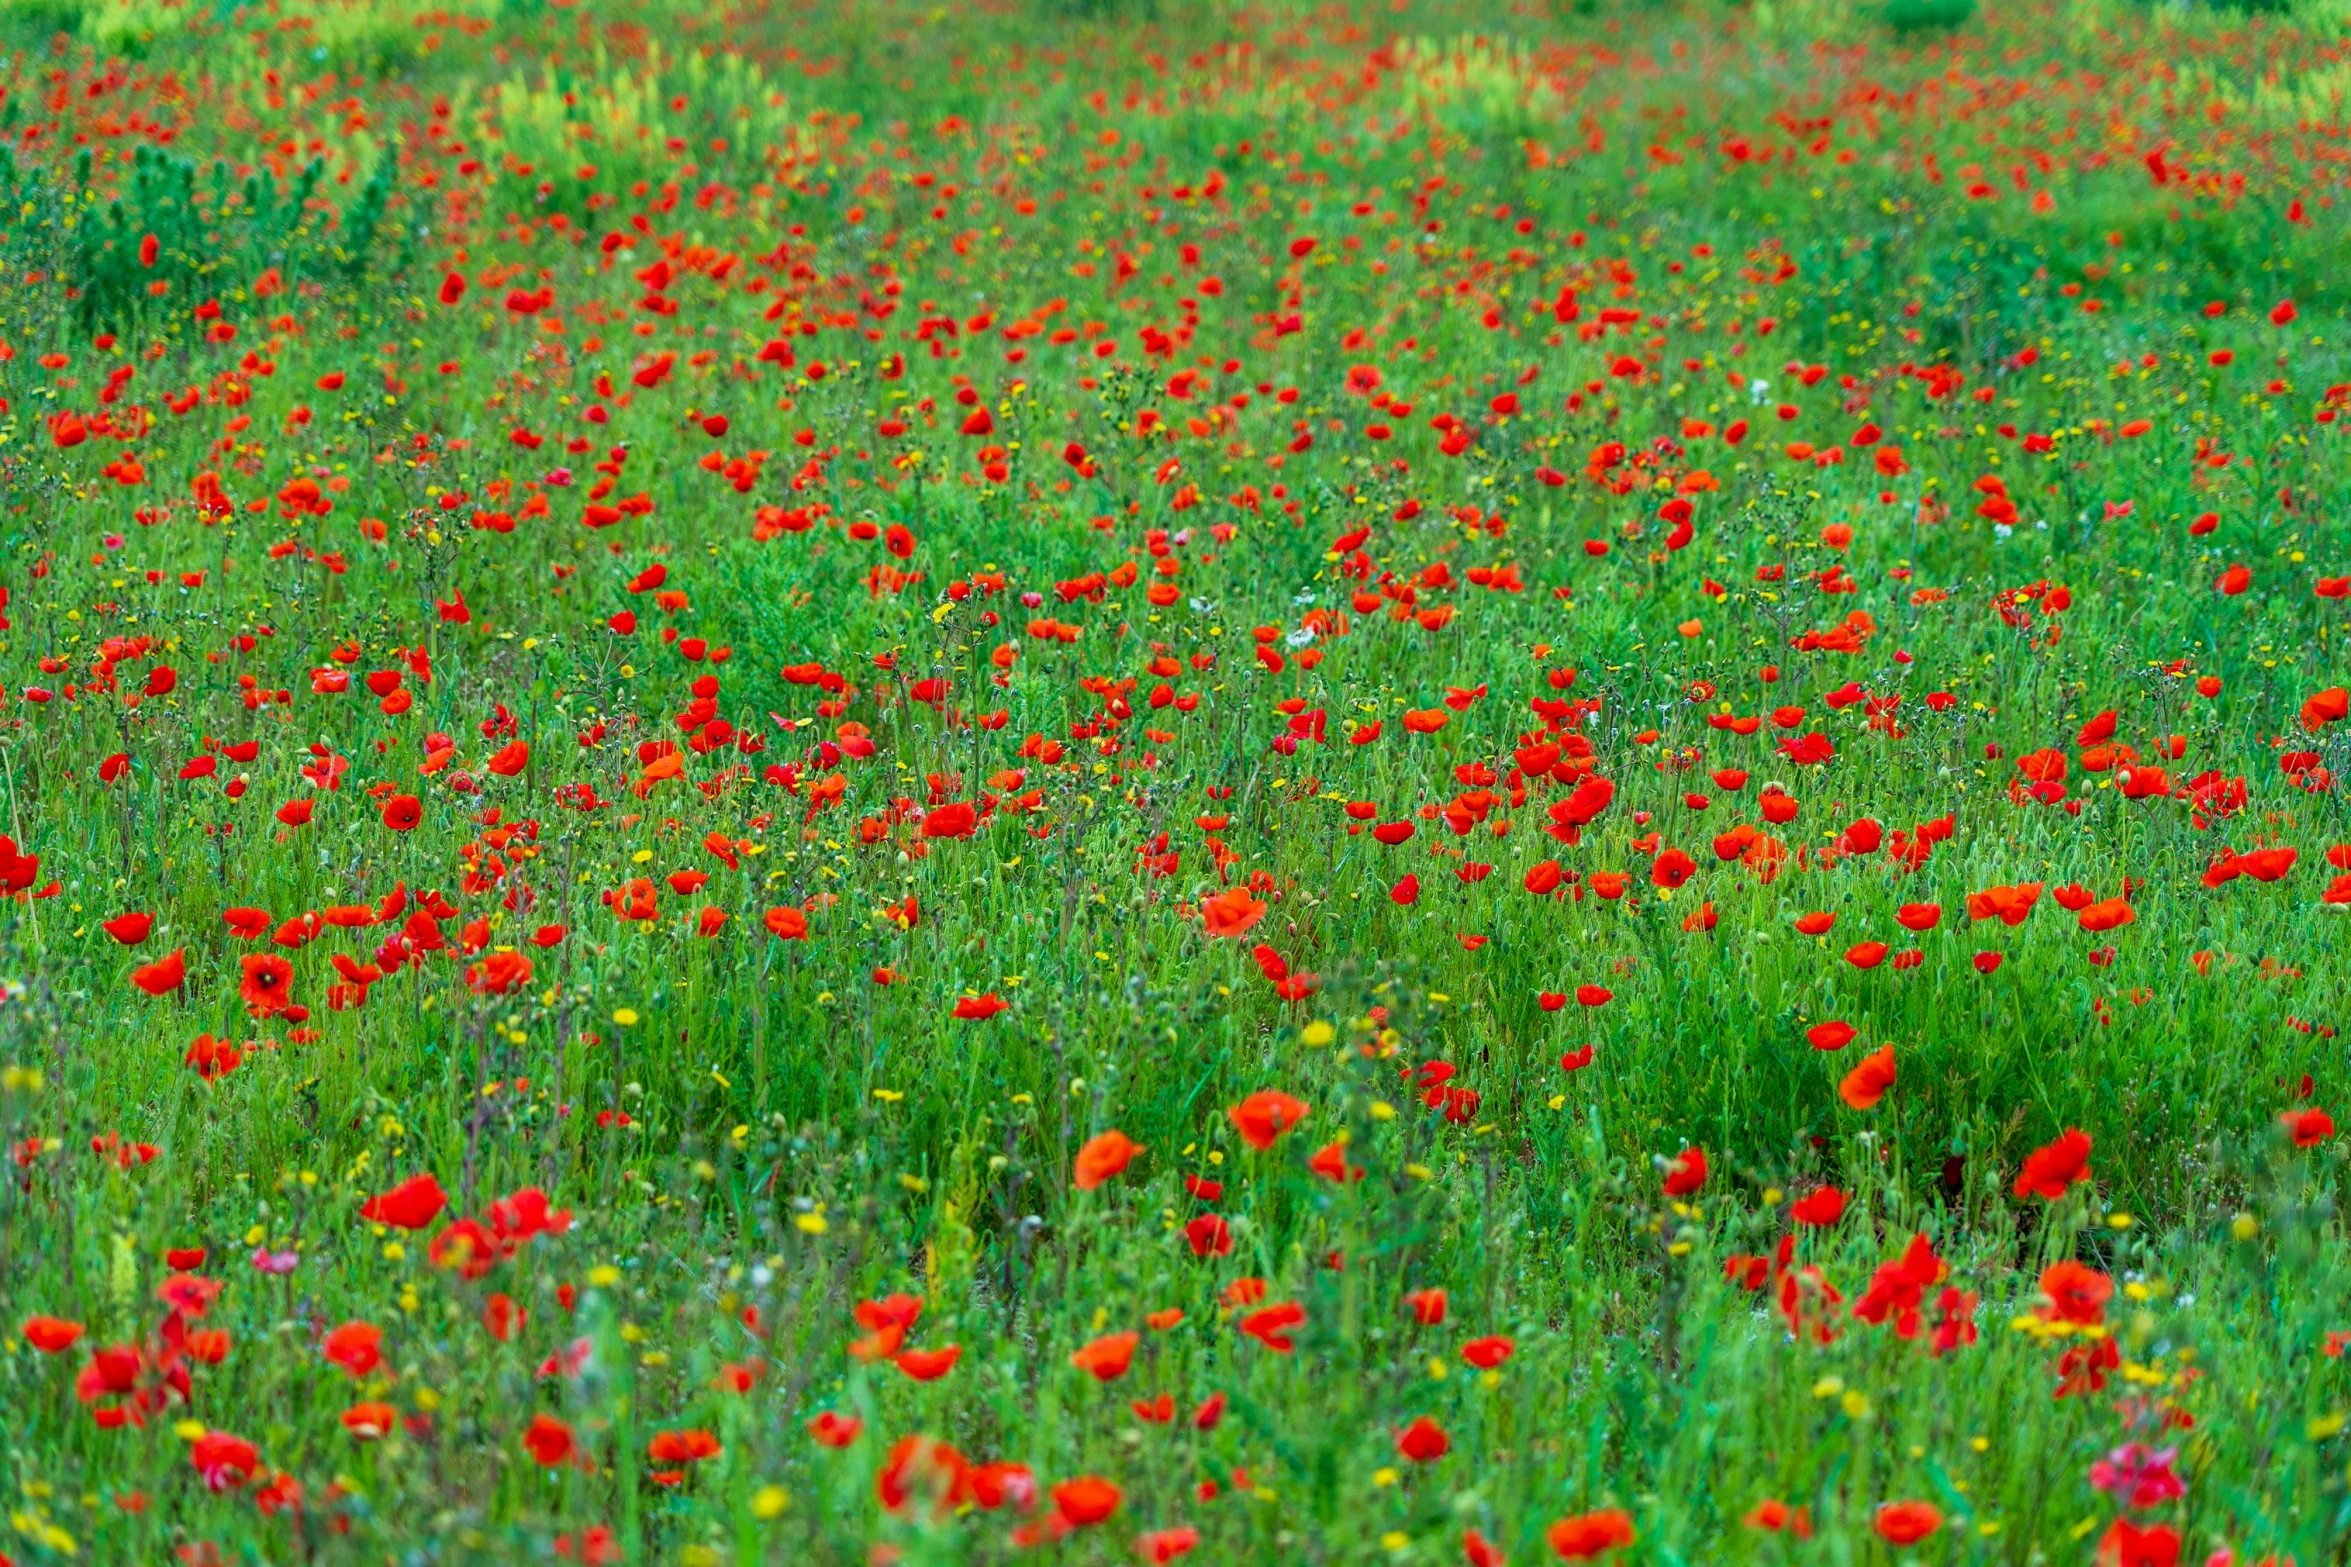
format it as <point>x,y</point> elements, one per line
<point>223,1461</point>
<point>357,1347</point>
<point>1423,1441</point>
<point>1209,1236</point>
<point>1265,1115</point>
<point>500,974</point>
<point>467,1247</point>
<point>1831,1035</point>
<point>163,976</point>
<point>954,820</point>
<point>550,1440</point>
<point>1870,1080</point>
<point>2075,1293</point>
<point>1489,1352</point>
<point>2048,1171</point>
<point>682,1447</point>
<point>370,1422</point>
<point>51,1335</point>
<point>2308,1128</point>
<point>1086,1501</point>
<point>502,1318</point>
<point>1907,1523</point>
<point>1162,1546</point>
<point>411,1205</point>
<point>2126,1544</point>
<point>1588,1535</point>
<point>1686,1174</point>
<point>1106,1359</point>
<point>1102,1157</point>
<point>1818,1208</point>
<point>928,1365</point>
<point>213,1058</point>
<point>129,929</point>
<point>1273,1326</point>
<point>267,978</point>
<point>920,1466</point>
<point>833,1429</point>
<point>1231,912</point>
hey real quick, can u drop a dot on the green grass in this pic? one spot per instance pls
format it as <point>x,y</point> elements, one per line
<point>753,1135</point>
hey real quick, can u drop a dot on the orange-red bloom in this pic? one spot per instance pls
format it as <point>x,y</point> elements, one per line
<point>51,1335</point>
<point>1106,1359</point>
<point>1265,1115</point>
<point>1588,1535</point>
<point>411,1205</point>
<point>1870,1080</point>
<point>1489,1352</point>
<point>370,1421</point>
<point>268,982</point>
<point>2049,1171</point>
<point>1231,912</point>
<point>1423,1442</point>
<point>682,1447</point>
<point>1102,1156</point>
<point>1686,1173</point>
<point>834,1429</point>
<point>918,1466</point>
<point>2072,1292</point>
<point>550,1440</point>
<point>928,1365</point>
<point>1273,1325</point>
<point>1086,1501</point>
<point>163,976</point>
<point>1776,1517</point>
<point>1907,1523</point>
<point>357,1347</point>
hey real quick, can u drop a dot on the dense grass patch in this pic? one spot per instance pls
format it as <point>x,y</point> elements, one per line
<point>1358,784</point>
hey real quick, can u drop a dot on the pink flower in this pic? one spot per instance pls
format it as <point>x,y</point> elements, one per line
<point>2138,1476</point>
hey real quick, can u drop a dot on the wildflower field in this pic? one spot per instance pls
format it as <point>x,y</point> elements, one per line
<point>1364,782</point>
